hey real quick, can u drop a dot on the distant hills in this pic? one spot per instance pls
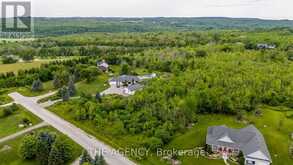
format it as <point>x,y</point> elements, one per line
<point>62,26</point>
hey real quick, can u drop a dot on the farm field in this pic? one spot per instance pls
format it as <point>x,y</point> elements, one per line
<point>4,68</point>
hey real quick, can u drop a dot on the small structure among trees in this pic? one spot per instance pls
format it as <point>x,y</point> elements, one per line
<point>103,66</point>
<point>266,46</point>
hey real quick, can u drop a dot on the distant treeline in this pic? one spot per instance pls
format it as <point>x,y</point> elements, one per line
<point>64,26</point>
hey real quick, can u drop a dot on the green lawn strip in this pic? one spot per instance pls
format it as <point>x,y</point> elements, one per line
<point>195,137</point>
<point>11,156</point>
<point>9,124</point>
<point>4,98</point>
<point>275,134</point>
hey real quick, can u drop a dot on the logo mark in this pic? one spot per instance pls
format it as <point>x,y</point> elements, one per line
<point>16,16</point>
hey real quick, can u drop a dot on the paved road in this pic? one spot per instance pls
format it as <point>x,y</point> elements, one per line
<point>79,136</point>
<point>6,105</point>
<point>30,129</point>
<point>37,98</point>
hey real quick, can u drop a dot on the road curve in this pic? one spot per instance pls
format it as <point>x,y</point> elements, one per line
<point>87,141</point>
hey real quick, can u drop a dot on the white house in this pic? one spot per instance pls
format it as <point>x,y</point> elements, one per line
<point>249,141</point>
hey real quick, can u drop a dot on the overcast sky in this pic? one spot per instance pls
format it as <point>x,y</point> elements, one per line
<point>267,9</point>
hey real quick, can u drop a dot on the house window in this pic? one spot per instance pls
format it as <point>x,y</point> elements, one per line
<point>236,150</point>
<point>250,162</point>
<point>214,148</point>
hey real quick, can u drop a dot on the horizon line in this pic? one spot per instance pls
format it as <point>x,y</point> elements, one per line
<point>142,17</point>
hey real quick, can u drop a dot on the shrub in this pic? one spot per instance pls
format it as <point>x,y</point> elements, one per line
<point>201,53</point>
<point>153,143</point>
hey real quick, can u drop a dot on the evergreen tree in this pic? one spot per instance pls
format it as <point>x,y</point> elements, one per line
<point>27,57</point>
<point>64,93</point>
<point>37,85</point>
<point>102,160</point>
<point>125,69</point>
<point>71,86</point>
<point>99,97</point>
<point>44,144</point>
<point>99,160</point>
<point>85,158</point>
<point>60,152</point>
<point>56,82</point>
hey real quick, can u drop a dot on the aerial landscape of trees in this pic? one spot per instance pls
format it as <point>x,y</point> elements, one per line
<point>221,72</point>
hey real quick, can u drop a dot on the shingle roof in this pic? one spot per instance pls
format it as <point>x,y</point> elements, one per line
<point>126,78</point>
<point>249,140</point>
<point>103,64</point>
<point>135,87</point>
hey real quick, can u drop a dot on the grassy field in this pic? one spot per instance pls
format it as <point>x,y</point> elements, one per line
<point>11,156</point>
<point>98,85</point>
<point>273,124</point>
<point>4,68</point>
<point>9,124</point>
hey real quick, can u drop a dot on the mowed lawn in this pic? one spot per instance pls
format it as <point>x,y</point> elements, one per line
<point>274,126</point>
<point>11,156</point>
<point>98,85</point>
<point>9,124</point>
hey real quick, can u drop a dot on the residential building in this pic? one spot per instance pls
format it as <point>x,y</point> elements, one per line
<point>230,142</point>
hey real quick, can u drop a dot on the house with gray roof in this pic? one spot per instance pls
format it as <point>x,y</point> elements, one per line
<point>126,85</point>
<point>265,46</point>
<point>248,140</point>
<point>124,80</point>
<point>130,90</point>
